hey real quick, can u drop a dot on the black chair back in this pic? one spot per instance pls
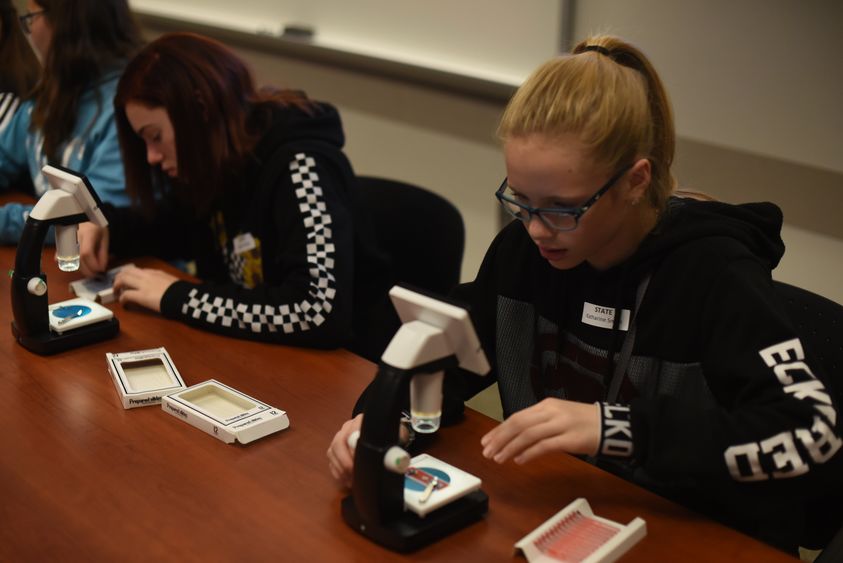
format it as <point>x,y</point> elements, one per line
<point>420,231</point>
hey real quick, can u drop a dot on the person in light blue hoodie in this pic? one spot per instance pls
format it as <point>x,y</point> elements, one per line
<point>69,118</point>
<point>19,69</point>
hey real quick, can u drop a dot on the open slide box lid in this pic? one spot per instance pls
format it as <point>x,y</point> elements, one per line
<point>142,377</point>
<point>224,412</point>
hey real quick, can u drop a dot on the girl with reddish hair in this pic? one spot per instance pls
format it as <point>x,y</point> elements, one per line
<point>251,185</point>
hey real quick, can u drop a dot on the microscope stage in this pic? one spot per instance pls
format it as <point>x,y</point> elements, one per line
<point>76,313</point>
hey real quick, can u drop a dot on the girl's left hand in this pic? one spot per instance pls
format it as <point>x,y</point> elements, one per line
<point>553,425</point>
<point>142,286</point>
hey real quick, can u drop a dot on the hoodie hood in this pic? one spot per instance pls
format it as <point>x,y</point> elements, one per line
<point>320,123</point>
<point>756,226</point>
<point>286,128</point>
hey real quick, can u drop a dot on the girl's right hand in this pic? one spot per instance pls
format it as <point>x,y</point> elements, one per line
<point>341,453</point>
<point>93,249</point>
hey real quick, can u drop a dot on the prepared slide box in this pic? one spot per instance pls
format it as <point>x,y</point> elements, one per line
<point>575,533</point>
<point>224,412</point>
<point>142,377</point>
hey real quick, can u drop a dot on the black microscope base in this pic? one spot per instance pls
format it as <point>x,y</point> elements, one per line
<point>52,343</point>
<point>409,532</point>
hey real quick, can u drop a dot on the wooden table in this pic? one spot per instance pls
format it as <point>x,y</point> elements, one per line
<point>83,479</point>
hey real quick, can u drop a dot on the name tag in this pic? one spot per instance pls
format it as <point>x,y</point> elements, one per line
<point>244,243</point>
<point>603,317</point>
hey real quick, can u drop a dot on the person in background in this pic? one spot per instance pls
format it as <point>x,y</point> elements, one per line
<point>19,69</point>
<point>68,119</point>
<point>251,185</point>
<point>634,327</point>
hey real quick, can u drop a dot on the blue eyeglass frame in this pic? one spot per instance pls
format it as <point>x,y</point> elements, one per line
<point>575,212</point>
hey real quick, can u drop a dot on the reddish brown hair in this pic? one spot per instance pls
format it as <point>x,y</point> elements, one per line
<point>217,115</point>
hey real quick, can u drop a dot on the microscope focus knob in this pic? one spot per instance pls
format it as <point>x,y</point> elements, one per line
<point>396,460</point>
<point>36,286</point>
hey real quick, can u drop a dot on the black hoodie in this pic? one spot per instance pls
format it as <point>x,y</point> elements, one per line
<point>285,255</point>
<point>718,409</point>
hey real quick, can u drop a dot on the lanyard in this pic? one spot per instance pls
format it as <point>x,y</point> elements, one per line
<point>626,349</point>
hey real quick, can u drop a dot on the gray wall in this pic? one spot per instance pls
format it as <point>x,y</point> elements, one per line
<point>756,86</point>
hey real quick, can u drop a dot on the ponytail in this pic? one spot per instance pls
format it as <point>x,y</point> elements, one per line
<point>608,94</point>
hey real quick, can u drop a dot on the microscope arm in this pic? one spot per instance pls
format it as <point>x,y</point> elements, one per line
<point>58,206</point>
<point>417,348</point>
<point>70,200</point>
<point>435,336</point>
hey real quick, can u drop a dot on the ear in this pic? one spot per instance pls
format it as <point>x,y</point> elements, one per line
<point>639,178</point>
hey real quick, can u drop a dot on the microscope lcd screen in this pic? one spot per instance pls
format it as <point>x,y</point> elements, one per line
<point>82,180</point>
<point>452,320</point>
<point>77,185</point>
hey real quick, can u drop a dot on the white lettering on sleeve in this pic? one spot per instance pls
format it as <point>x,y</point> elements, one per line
<point>781,371</point>
<point>785,456</point>
<point>616,431</point>
<point>813,389</point>
<point>608,410</point>
<point>821,441</point>
<point>750,453</point>
<point>780,451</point>
<point>620,448</point>
<point>623,427</point>
<point>829,412</point>
<point>782,350</point>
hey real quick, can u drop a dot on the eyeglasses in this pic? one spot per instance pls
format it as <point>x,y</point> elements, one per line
<point>556,218</point>
<point>26,20</point>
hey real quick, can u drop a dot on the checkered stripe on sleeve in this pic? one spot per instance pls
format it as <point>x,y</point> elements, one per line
<point>288,317</point>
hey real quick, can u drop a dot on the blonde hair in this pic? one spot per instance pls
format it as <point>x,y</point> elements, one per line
<point>607,94</point>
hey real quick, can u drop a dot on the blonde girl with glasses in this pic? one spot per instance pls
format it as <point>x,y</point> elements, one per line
<point>634,328</point>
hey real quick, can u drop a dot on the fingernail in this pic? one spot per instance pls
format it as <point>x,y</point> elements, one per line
<point>499,458</point>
